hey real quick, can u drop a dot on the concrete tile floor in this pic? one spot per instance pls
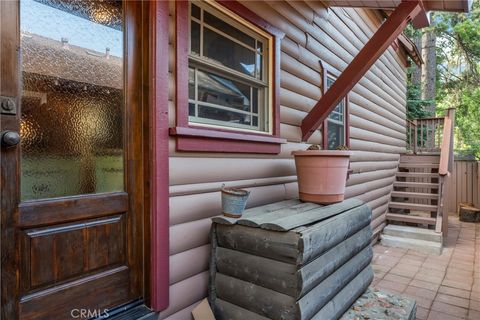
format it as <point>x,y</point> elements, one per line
<point>446,287</point>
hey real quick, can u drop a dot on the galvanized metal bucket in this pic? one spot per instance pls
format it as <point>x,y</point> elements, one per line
<point>234,201</point>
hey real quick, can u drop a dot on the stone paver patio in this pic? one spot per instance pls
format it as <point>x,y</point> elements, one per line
<point>446,287</point>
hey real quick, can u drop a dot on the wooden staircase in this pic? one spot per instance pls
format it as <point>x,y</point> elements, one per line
<point>415,213</point>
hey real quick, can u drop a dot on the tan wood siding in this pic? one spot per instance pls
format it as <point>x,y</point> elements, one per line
<point>464,185</point>
<point>377,121</point>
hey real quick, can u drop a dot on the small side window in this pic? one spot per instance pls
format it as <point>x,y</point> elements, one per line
<point>336,123</point>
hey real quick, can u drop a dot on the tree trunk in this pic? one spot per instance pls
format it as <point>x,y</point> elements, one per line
<point>429,70</point>
<point>417,70</point>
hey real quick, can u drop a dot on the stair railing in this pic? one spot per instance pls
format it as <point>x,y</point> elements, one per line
<point>444,169</point>
<point>425,135</point>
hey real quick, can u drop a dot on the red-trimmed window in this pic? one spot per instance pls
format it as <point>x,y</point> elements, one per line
<point>335,129</point>
<point>227,82</point>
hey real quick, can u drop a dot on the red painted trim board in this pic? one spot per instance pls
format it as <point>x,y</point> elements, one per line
<point>159,182</point>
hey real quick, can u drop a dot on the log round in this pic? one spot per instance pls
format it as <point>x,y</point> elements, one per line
<point>469,214</point>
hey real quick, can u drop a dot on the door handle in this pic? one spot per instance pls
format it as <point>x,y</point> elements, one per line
<point>10,138</point>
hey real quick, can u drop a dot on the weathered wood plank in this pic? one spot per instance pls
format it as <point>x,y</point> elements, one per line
<point>228,311</point>
<point>344,299</point>
<point>264,219</point>
<point>276,275</point>
<point>328,233</point>
<point>305,218</point>
<point>255,298</point>
<point>298,247</point>
<point>276,305</point>
<point>212,270</point>
<point>280,246</point>
<point>258,211</point>
<point>316,271</point>
<point>287,278</point>
<point>319,296</point>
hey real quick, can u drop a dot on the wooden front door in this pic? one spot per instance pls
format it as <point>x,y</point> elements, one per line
<point>72,183</point>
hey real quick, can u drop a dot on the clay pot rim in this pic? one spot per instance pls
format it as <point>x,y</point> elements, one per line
<point>235,191</point>
<point>326,153</point>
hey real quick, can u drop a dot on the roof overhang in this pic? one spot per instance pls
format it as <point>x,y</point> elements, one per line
<point>406,44</point>
<point>411,49</point>
<point>430,5</point>
<point>403,12</point>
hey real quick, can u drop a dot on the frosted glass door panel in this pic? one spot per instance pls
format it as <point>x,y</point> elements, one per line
<point>72,98</point>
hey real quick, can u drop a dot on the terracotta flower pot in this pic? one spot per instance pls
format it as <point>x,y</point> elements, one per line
<point>322,175</point>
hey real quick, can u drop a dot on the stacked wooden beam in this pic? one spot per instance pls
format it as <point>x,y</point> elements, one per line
<point>291,260</point>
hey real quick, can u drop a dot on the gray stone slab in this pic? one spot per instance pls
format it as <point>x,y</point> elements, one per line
<point>378,304</point>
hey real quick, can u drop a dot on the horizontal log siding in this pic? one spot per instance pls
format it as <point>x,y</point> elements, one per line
<point>377,118</point>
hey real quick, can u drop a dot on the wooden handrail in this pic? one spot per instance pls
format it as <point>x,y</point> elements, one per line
<point>424,135</point>
<point>446,152</point>
<point>431,118</point>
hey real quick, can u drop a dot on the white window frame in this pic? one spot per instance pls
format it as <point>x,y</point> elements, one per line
<point>330,80</point>
<point>263,83</point>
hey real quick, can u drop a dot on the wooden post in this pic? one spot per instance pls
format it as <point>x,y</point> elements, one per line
<point>415,136</point>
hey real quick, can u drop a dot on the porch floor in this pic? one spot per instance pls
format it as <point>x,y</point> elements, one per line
<point>446,287</point>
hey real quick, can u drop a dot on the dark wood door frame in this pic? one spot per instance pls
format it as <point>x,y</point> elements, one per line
<point>147,93</point>
<point>159,156</point>
<point>9,157</point>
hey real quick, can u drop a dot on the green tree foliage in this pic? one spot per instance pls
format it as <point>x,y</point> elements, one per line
<point>458,56</point>
<point>458,75</point>
<point>415,105</point>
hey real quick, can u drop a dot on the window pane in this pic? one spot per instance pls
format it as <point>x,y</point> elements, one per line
<point>213,113</point>
<point>335,135</point>
<point>222,91</point>
<point>259,67</point>
<point>228,53</point>
<point>259,47</point>
<point>195,37</point>
<point>228,29</point>
<point>191,84</point>
<point>330,82</point>
<point>337,113</point>
<point>191,109</point>
<point>72,98</point>
<point>195,11</point>
<point>255,100</point>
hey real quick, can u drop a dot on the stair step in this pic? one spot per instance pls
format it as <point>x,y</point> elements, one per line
<point>412,233</point>
<point>418,165</point>
<point>413,206</point>
<point>429,247</point>
<point>410,218</point>
<point>417,175</point>
<point>407,184</point>
<point>420,158</point>
<point>416,195</point>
